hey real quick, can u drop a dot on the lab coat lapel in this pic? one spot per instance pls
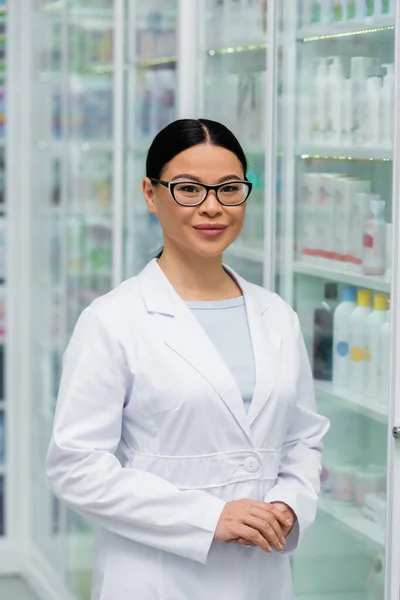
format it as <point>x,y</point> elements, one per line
<point>185,336</point>
<point>266,345</point>
<point>266,348</point>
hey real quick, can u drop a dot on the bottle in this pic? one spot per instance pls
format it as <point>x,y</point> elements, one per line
<point>384,360</point>
<point>374,239</point>
<point>334,101</point>
<point>321,101</point>
<point>374,324</point>
<point>323,334</point>
<point>336,12</point>
<point>361,68</point>
<point>387,7</point>
<point>386,115</point>
<point>358,340</point>
<point>372,133</point>
<point>346,113</point>
<point>341,338</point>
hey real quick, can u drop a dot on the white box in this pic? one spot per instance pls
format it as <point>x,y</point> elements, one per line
<point>324,218</point>
<point>358,212</point>
<point>345,190</point>
<point>306,239</point>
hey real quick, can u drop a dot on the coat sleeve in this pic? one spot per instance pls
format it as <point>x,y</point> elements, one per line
<point>298,482</point>
<point>82,467</point>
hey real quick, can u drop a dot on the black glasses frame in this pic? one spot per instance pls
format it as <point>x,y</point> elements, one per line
<point>172,184</point>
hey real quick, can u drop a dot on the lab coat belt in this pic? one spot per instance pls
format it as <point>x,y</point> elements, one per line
<point>212,470</point>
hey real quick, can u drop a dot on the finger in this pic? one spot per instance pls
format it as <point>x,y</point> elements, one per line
<point>283,517</point>
<point>252,536</point>
<point>246,543</point>
<point>266,531</point>
<point>269,517</point>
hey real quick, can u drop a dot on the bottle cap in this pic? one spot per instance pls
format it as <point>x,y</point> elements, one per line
<point>364,298</point>
<point>349,293</point>
<point>381,302</point>
<point>331,291</point>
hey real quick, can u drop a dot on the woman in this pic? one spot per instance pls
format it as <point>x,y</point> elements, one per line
<point>186,415</point>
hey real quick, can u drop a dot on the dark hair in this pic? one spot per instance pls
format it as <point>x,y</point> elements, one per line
<point>186,133</point>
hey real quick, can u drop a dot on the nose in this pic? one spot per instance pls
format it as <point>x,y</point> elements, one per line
<point>211,206</point>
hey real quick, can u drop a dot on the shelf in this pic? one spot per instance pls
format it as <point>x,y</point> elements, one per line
<point>333,596</point>
<point>147,63</point>
<point>355,402</point>
<point>371,25</point>
<point>236,49</point>
<point>246,253</point>
<point>354,521</point>
<point>377,284</point>
<point>346,153</point>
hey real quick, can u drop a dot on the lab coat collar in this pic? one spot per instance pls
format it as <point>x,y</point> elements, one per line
<point>185,336</point>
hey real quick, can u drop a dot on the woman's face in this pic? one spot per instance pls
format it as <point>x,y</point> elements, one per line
<point>180,224</point>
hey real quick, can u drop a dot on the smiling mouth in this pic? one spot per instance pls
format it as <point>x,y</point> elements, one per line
<point>210,229</point>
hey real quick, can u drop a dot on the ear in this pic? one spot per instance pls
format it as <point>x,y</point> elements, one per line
<point>149,195</point>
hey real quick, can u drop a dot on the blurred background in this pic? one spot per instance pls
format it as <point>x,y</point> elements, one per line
<point>311,89</point>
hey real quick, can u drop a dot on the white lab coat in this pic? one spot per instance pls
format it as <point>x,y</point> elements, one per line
<point>151,438</point>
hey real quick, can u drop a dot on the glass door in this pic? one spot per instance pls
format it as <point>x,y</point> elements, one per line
<point>233,86</point>
<point>151,95</point>
<point>336,124</point>
<point>3,229</point>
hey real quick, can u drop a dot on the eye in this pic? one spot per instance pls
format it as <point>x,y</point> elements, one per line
<point>187,188</point>
<point>232,188</point>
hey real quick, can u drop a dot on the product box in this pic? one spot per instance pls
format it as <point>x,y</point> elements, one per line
<point>345,190</point>
<point>324,218</point>
<point>358,212</point>
<point>306,242</point>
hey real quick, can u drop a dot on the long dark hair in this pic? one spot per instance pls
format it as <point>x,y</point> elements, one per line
<point>186,133</point>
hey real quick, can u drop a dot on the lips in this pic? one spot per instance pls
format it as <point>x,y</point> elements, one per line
<point>210,230</point>
<point>210,226</point>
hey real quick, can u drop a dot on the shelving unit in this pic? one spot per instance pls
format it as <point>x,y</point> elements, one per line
<point>370,26</point>
<point>330,273</point>
<point>358,403</point>
<point>353,521</point>
<point>344,152</point>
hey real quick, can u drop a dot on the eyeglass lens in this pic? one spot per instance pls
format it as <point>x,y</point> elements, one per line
<point>193,193</point>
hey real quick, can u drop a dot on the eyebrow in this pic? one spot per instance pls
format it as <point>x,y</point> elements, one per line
<point>191,177</point>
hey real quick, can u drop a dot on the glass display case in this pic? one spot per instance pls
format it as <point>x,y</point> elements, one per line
<point>335,233</point>
<point>233,89</point>
<point>151,92</point>
<point>3,230</point>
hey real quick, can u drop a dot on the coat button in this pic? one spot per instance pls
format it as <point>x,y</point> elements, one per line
<point>251,464</point>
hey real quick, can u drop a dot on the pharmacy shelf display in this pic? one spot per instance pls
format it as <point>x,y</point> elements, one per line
<point>233,58</point>
<point>335,124</point>
<point>152,91</point>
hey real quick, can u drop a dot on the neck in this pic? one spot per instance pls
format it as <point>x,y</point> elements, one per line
<point>197,278</point>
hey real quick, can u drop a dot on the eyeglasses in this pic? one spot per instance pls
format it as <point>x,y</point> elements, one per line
<point>191,193</point>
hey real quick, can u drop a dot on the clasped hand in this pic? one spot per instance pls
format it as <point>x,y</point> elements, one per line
<point>254,523</point>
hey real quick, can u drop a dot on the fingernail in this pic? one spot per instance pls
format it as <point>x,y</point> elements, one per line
<point>280,546</point>
<point>283,541</point>
<point>288,522</point>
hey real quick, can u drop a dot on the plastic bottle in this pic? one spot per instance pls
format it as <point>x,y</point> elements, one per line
<point>386,114</point>
<point>358,320</point>
<point>323,334</point>
<point>347,108</point>
<point>387,7</point>
<point>336,10</point>
<point>374,239</point>
<point>374,324</point>
<point>341,338</point>
<point>384,360</point>
<point>361,68</point>
<point>334,101</point>
<point>321,101</point>
<point>372,133</point>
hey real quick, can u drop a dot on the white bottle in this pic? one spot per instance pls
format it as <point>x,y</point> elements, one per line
<point>358,320</point>
<point>341,337</point>
<point>374,324</point>
<point>334,101</point>
<point>386,115</point>
<point>321,101</point>
<point>384,360</point>
<point>374,239</point>
<point>372,133</point>
<point>361,68</point>
<point>347,113</point>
